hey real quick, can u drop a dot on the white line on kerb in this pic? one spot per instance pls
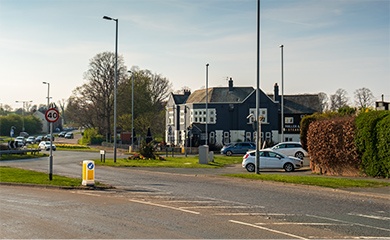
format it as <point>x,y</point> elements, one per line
<point>163,206</point>
<point>268,229</point>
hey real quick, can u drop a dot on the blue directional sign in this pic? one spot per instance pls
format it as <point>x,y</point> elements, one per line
<point>90,166</point>
<point>12,132</point>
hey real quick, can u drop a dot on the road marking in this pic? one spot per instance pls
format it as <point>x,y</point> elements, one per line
<point>311,224</point>
<point>163,206</point>
<point>220,207</point>
<point>253,214</point>
<point>267,229</point>
<point>369,216</point>
<point>185,201</point>
<point>357,224</point>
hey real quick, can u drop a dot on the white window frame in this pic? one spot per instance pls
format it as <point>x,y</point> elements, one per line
<point>263,113</point>
<point>289,120</point>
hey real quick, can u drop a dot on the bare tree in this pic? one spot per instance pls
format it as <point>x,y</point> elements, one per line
<point>95,99</point>
<point>364,97</point>
<point>323,98</point>
<point>338,100</point>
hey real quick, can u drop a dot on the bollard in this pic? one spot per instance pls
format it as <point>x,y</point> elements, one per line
<point>102,156</point>
<point>88,173</point>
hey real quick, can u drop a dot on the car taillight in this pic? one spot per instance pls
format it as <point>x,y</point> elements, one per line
<point>246,155</point>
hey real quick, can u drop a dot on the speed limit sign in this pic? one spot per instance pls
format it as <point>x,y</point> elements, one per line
<point>52,115</point>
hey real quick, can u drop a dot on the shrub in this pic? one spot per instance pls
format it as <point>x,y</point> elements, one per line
<point>332,148</point>
<point>91,136</point>
<point>373,142</point>
<point>147,150</point>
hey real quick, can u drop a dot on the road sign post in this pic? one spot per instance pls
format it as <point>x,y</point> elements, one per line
<point>51,116</point>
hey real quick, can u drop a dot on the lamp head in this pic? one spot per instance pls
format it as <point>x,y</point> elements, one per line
<point>107,18</point>
<point>281,45</point>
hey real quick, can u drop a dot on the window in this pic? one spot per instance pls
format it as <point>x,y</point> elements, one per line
<point>200,116</point>
<point>289,120</point>
<point>212,138</point>
<point>262,112</point>
<point>226,137</point>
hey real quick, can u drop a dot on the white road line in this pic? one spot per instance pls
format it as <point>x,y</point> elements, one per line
<point>219,207</point>
<point>163,206</point>
<point>267,229</point>
<point>357,224</point>
<point>369,216</point>
<point>185,201</point>
<point>253,214</point>
<point>311,224</point>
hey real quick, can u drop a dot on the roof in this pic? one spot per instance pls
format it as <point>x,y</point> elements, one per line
<point>301,103</point>
<point>220,95</point>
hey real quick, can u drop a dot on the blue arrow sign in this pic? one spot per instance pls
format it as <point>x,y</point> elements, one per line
<point>90,166</point>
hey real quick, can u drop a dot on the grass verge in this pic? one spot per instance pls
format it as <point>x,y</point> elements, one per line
<point>175,162</point>
<point>25,156</point>
<point>16,175</point>
<point>312,180</point>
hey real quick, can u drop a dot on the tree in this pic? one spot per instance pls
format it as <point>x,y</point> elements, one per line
<point>364,97</point>
<point>338,100</point>
<point>323,98</point>
<point>62,104</point>
<point>92,104</point>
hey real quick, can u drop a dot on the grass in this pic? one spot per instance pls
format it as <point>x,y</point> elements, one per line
<point>16,175</point>
<point>313,180</point>
<point>25,156</point>
<point>175,162</point>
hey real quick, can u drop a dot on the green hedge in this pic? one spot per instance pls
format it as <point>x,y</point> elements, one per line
<point>373,142</point>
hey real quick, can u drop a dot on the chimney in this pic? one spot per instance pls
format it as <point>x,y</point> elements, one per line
<point>187,92</point>
<point>276,93</point>
<point>230,85</point>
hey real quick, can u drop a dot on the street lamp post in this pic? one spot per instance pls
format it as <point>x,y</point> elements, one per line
<point>48,100</point>
<point>132,111</point>
<point>24,102</point>
<point>258,133</point>
<point>282,103</point>
<point>207,100</point>
<point>116,78</point>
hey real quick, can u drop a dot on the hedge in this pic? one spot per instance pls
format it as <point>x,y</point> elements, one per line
<point>373,142</point>
<point>332,148</point>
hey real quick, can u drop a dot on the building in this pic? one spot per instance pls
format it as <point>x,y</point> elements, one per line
<point>228,110</point>
<point>382,105</point>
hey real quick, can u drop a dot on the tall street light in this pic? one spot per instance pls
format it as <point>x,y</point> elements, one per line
<point>24,103</point>
<point>207,100</point>
<point>48,100</point>
<point>282,103</point>
<point>258,134</point>
<point>132,111</point>
<point>116,78</point>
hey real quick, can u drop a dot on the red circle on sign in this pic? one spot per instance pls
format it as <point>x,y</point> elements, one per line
<point>52,115</point>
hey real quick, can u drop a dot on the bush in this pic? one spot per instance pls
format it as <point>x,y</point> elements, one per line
<point>147,150</point>
<point>373,142</point>
<point>91,136</point>
<point>332,148</point>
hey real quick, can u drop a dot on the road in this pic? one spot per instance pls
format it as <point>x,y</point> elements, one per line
<point>150,204</point>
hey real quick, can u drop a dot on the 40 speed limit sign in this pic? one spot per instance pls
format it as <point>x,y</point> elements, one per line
<point>52,115</point>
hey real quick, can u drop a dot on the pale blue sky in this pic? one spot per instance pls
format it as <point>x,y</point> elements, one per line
<point>329,44</point>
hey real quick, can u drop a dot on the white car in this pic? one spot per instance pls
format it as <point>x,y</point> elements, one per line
<point>271,159</point>
<point>46,145</point>
<point>290,149</point>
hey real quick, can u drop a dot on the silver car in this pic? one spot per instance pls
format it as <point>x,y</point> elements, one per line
<point>291,149</point>
<point>271,159</point>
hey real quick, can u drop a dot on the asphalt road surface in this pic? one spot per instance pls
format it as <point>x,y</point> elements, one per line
<point>150,204</point>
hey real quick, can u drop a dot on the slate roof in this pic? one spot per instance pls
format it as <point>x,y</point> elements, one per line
<point>301,103</point>
<point>220,95</point>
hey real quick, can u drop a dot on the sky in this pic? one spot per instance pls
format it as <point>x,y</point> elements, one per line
<point>328,44</point>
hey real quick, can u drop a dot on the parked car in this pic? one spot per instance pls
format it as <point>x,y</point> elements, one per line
<point>61,134</point>
<point>291,149</point>
<point>47,138</point>
<point>46,145</point>
<point>237,148</point>
<point>38,139</point>
<point>21,139</point>
<point>24,134</point>
<point>69,135</point>
<point>30,140</point>
<point>271,159</point>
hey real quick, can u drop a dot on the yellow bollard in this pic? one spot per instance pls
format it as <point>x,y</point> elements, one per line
<point>88,173</point>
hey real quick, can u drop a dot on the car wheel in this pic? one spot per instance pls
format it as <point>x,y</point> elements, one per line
<point>299,155</point>
<point>288,167</point>
<point>250,167</point>
<point>229,153</point>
